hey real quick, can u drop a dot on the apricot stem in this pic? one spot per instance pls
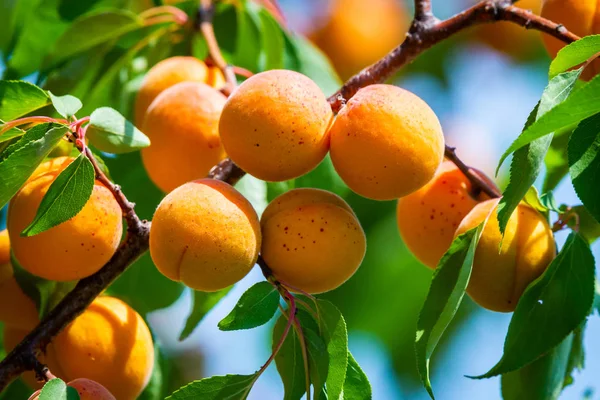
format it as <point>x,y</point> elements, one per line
<point>476,180</point>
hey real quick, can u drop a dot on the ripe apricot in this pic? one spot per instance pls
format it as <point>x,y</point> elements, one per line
<point>312,240</point>
<point>87,390</point>
<point>582,17</point>
<point>386,142</point>
<point>110,344</point>
<point>205,234</point>
<point>182,124</point>
<point>74,249</point>
<point>360,32</point>
<point>274,126</point>
<point>215,78</point>
<point>500,275</point>
<point>428,218</point>
<point>510,38</point>
<point>165,74</point>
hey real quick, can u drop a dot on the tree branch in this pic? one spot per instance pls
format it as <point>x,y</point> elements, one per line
<point>425,32</point>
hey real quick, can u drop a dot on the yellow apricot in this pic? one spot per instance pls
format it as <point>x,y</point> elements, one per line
<point>4,247</point>
<point>428,218</point>
<point>182,124</point>
<point>110,344</point>
<point>510,38</point>
<point>87,390</point>
<point>163,75</point>
<point>386,142</point>
<point>582,17</point>
<point>359,32</point>
<point>312,240</point>
<point>74,249</point>
<point>274,125</point>
<point>500,275</point>
<point>205,234</point>
<point>13,336</point>
<point>215,78</point>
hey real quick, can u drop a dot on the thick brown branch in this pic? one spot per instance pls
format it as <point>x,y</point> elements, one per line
<point>205,26</point>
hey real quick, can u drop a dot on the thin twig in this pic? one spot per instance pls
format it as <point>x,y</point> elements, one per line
<point>486,186</point>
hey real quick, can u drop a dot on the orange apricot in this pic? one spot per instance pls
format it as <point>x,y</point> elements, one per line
<point>359,32</point>
<point>386,142</point>
<point>312,241</point>
<point>74,249</point>
<point>501,274</point>
<point>582,17</point>
<point>428,218</point>
<point>182,124</point>
<point>109,343</point>
<point>274,125</point>
<point>205,234</point>
<point>87,390</point>
<point>163,75</point>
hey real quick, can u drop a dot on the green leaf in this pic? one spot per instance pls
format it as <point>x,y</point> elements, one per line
<point>19,161</point>
<point>446,292</point>
<point>109,131</point>
<point>272,41</point>
<point>581,104</point>
<point>17,389</point>
<point>65,197</point>
<point>248,43</point>
<point>57,389</point>
<point>230,387</point>
<point>527,161</point>
<point>289,362</point>
<point>584,163</point>
<point>203,303</point>
<point>158,386</point>
<point>532,197</point>
<point>588,226</point>
<point>574,54</point>
<point>255,308</point>
<point>318,359</point>
<point>556,161</point>
<point>275,189</point>
<point>551,308</point>
<point>10,134</point>
<point>576,355</point>
<point>66,105</point>
<point>90,30</point>
<point>18,98</point>
<point>323,177</point>
<point>540,380</point>
<point>335,336</point>
<point>356,386</point>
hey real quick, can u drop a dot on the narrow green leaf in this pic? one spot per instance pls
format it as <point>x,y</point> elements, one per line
<point>230,387</point>
<point>18,98</point>
<point>272,41</point>
<point>318,360</point>
<point>255,308</point>
<point>556,161</point>
<point>576,360</point>
<point>19,160</point>
<point>551,308</point>
<point>574,54</point>
<point>289,362</point>
<point>584,163</point>
<point>109,131</point>
<point>540,380</point>
<point>527,161</point>
<point>203,302</point>
<point>248,42</point>
<point>446,292</point>
<point>548,201</point>
<point>65,197</point>
<point>54,389</point>
<point>581,104</point>
<point>10,134</point>
<point>532,197</point>
<point>335,336</point>
<point>66,105</point>
<point>89,31</point>
<point>356,386</point>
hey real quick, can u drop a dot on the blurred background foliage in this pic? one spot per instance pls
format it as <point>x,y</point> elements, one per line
<point>481,83</point>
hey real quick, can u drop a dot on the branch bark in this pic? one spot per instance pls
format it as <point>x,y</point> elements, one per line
<point>425,32</point>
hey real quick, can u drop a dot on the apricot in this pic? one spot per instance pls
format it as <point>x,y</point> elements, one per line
<point>215,78</point>
<point>182,124</point>
<point>509,38</point>
<point>312,241</point>
<point>582,17</point>
<point>358,32</point>
<point>205,234</point>
<point>109,343</point>
<point>274,126</point>
<point>428,218</point>
<point>386,142</point>
<point>501,274</point>
<point>165,74</point>
<point>87,390</point>
<point>74,249</point>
